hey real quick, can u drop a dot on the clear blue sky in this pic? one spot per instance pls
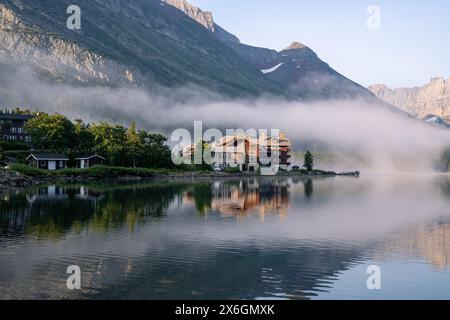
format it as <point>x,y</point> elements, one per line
<point>412,46</point>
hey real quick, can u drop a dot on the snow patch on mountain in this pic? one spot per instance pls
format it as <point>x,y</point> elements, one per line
<point>275,68</point>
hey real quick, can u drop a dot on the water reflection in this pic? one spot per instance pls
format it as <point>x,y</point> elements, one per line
<point>50,211</point>
<point>295,238</point>
<point>241,198</point>
<point>431,241</point>
<point>309,188</point>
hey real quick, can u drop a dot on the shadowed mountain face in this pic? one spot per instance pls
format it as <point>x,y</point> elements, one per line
<point>297,68</point>
<point>152,43</point>
<point>300,70</point>
<point>121,42</point>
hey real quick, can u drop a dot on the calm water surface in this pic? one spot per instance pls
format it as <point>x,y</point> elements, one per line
<point>265,238</point>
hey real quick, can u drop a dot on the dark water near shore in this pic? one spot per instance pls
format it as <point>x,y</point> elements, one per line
<point>260,238</point>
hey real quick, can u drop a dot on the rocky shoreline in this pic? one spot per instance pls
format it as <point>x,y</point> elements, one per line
<point>13,180</point>
<point>10,181</point>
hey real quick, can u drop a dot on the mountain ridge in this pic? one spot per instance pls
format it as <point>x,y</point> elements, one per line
<point>430,99</point>
<point>309,77</point>
<point>125,43</point>
<point>168,43</point>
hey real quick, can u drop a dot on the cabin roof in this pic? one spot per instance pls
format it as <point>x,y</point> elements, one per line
<point>48,156</point>
<point>88,156</point>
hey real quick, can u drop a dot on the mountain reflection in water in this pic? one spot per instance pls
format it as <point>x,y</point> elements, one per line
<point>229,239</point>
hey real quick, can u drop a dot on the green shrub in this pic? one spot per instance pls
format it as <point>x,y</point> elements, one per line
<point>96,171</point>
<point>324,173</point>
<point>232,170</point>
<point>29,171</point>
<point>14,145</point>
<point>192,168</point>
<point>105,171</point>
<point>20,156</point>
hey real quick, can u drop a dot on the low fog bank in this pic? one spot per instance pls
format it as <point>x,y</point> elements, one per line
<point>347,134</point>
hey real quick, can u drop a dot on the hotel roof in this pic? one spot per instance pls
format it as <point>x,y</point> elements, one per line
<point>15,116</point>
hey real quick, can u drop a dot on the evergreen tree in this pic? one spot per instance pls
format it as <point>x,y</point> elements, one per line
<point>309,161</point>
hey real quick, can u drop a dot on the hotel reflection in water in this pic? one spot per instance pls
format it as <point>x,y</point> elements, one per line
<point>244,198</point>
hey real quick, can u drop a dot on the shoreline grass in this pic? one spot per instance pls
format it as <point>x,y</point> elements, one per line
<point>95,172</point>
<point>98,172</point>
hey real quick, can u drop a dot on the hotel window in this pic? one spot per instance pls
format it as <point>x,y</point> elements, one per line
<point>13,130</point>
<point>19,130</point>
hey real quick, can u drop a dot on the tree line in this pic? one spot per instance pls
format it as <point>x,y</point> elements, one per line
<point>121,146</point>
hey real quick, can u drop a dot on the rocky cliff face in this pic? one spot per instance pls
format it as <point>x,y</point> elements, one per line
<point>430,99</point>
<point>154,43</point>
<point>205,18</point>
<point>54,56</point>
<point>121,42</point>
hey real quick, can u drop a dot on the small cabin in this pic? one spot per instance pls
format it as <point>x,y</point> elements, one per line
<point>89,160</point>
<point>47,161</point>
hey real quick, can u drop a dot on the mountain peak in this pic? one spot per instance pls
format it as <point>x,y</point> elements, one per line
<point>295,46</point>
<point>436,80</point>
<point>205,18</point>
<point>378,87</point>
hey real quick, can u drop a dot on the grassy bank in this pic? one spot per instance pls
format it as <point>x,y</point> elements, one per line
<point>95,172</point>
<point>98,172</point>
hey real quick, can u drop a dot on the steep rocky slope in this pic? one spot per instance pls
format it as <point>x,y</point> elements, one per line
<point>156,43</point>
<point>140,42</point>
<point>430,99</point>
